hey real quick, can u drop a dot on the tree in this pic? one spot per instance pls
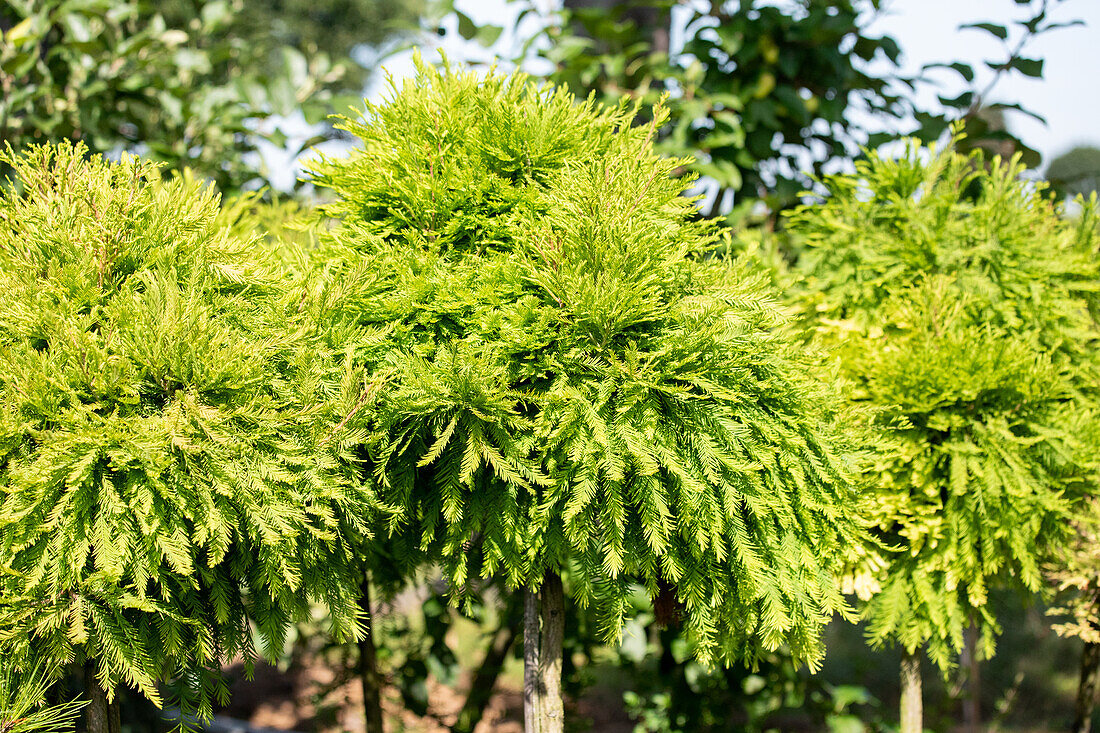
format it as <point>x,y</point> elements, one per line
<point>334,28</point>
<point>765,95</point>
<point>576,396</point>
<point>958,301</point>
<point>118,78</point>
<point>760,91</point>
<point>166,490</point>
<point>1075,172</point>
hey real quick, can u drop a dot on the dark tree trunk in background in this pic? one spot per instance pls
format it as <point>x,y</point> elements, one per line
<point>368,665</point>
<point>972,696</point>
<point>481,689</point>
<point>101,716</point>
<point>543,637</point>
<point>1087,689</point>
<point>912,714</point>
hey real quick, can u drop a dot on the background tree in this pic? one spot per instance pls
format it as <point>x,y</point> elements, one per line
<point>341,30</point>
<point>165,490</point>
<point>957,299</point>
<point>119,78</point>
<point>1075,571</point>
<point>571,392</point>
<point>765,95</point>
<point>1075,172</point>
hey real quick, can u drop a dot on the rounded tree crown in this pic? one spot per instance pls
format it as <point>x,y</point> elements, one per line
<point>575,384</point>
<point>959,302</point>
<point>160,489</point>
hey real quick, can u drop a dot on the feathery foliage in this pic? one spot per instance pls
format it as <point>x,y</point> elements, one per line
<point>165,494</point>
<point>570,386</point>
<point>1075,572</point>
<point>958,301</point>
<point>22,706</point>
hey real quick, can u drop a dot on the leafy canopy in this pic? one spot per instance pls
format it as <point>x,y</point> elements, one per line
<point>572,384</point>
<point>762,92</point>
<point>191,91</point>
<point>164,488</point>
<point>958,300</point>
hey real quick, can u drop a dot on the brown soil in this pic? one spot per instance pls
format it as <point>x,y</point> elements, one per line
<point>296,700</point>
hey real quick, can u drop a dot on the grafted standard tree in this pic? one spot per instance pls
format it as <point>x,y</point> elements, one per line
<point>166,495</point>
<point>576,393</point>
<point>958,301</point>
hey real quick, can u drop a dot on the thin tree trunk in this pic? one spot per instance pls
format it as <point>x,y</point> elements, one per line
<point>531,692</point>
<point>481,689</point>
<point>368,665</point>
<point>972,698</point>
<point>1087,689</point>
<point>543,637</point>
<point>912,713</point>
<point>101,716</point>
<point>550,652</point>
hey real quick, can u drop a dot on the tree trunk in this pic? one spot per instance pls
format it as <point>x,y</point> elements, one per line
<point>912,714</point>
<point>543,636</point>
<point>972,697</point>
<point>481,689</point>
<point>1087,689</point>
<point>531,691</point>
<point>102,716</point>
<point>368,665</point>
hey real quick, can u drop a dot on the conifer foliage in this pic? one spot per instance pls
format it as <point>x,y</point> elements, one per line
<point>1075,572</point>
<point>572,386</point>
<point>958,300</point>
<point>165,494</point>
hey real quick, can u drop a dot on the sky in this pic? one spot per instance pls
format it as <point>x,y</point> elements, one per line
<point>1068,95</point>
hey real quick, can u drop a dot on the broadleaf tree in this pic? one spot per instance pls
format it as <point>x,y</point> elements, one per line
<point>188,93</point>
<point>167,494</point>
<point>762,95</point>
<point>957,300</point>
<point>573,387</point>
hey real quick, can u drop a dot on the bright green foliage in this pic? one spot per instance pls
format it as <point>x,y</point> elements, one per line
<point>166,495</point>
<point>22,709</point>
<point>570,387</point>
<point>1075,573</point>
<point>957,299</point>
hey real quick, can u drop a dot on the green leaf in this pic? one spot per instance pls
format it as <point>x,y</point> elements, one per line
<point>1027,67</point>
<point>466,27</point>
<point>488,34</point>
<point>993,29</point>
<point>23,31</point>
<point>966,71</point>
